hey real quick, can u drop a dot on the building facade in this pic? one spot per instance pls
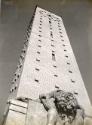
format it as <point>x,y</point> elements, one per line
<point>46,63</point>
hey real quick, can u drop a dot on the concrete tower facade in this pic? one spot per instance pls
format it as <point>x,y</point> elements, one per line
<point>46,62</point>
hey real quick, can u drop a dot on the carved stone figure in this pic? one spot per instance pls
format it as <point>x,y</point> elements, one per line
<point>64,105</point>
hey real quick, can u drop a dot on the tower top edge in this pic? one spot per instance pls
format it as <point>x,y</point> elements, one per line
<point>47,12</point>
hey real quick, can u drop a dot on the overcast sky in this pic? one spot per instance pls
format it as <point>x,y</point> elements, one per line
<point>15,16</point>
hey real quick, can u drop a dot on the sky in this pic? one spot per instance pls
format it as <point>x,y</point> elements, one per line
<point>14,19</point>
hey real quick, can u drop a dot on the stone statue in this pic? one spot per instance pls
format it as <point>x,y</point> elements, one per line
<point>62,106</point>
<point>65,106</point>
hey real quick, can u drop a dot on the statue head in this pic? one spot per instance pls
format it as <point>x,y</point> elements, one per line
<point>66,103</point>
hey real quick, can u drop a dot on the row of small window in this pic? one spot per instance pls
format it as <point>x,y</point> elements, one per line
<point>51,33</point>
<point>28,32</point>
<point>49,15</point>
<point>42,12</point>
<point>55,75</point>
<point>53,54</point>
<point>50,24</point>
<point>36,80</point>
<point>37,69</point>
<point>53,58</point>
<point>13,88</point>
<point>60,31</point>
<point>38,60</point>
<point>40,25</point>
<point>19,66</point>
<point>17,74</point>
<point>68,63</point>
<point>52,45</point>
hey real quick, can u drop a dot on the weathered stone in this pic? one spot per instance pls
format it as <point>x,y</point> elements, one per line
<point>36,114</point>
<point>15,118</point>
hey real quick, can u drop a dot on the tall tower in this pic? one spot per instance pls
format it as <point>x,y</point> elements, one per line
<point>46,62</point>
